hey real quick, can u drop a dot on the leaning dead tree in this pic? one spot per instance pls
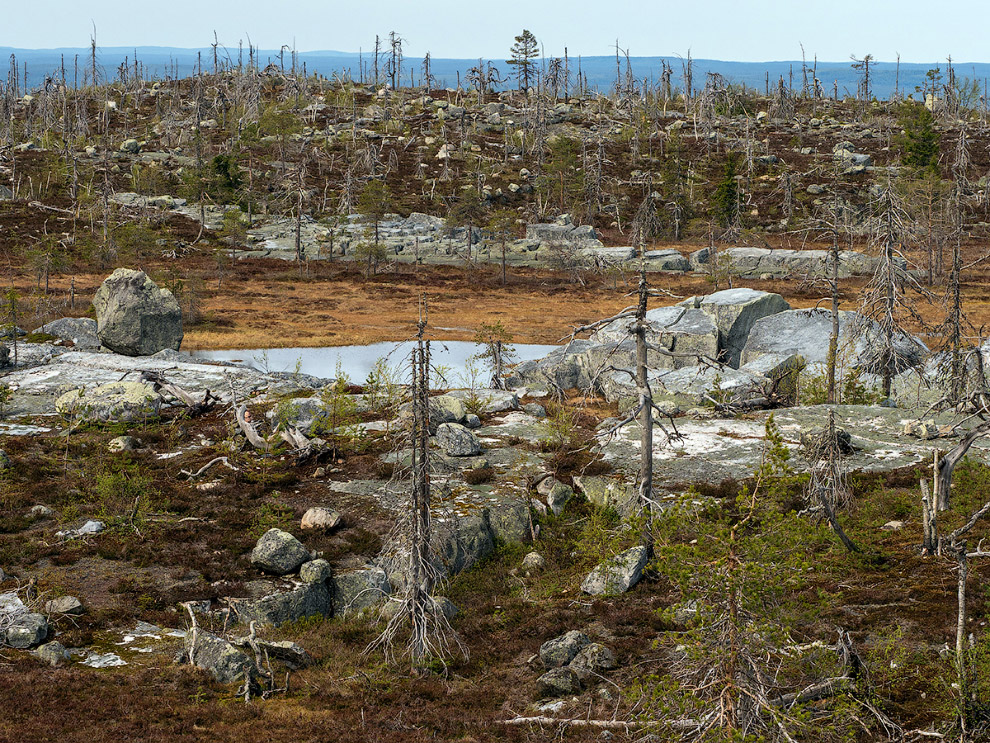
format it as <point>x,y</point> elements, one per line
<point>430,633</point>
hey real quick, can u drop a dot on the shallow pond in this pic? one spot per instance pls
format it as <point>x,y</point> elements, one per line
<point>451,358</point>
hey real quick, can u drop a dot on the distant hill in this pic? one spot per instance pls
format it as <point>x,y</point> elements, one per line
<point>599,71</point>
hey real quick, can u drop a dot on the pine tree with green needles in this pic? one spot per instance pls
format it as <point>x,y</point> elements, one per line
<point>524,53</point>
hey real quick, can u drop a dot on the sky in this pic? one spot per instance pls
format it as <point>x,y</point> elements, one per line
<point>737,30</point>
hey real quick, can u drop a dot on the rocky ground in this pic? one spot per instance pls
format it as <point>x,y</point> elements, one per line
<point>146,540</point>
<point>214,534</point>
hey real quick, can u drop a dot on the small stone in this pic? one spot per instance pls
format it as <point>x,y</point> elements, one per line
<point>320,518</point>
<point>123,443</point>
<point>472,421</point>
<point>534,561</point>
<point>91,527</point>
<point>558,683</point>
<point>64,605</point>
<point>893,526</point>
<point>41,512</point>
<point>561,650</point>
<point>535,409</point>
<point>315,571</point>
<point>53,653</point>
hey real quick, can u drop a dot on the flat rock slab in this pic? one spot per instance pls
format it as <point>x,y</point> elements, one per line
<point>36,389</point>
<point>716,451</point>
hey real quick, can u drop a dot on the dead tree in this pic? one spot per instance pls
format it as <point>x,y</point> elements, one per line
<point>827,484</point>
<point>644,410</point>
<point>430,634</point>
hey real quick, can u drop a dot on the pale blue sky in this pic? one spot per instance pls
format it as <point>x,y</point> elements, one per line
<point>744,30</point>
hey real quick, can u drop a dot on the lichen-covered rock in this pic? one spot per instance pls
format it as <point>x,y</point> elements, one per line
<point>26,630</point>
<point>279,553</point>
<point>65,605</point>
<point>221,659</point>
<point>592,660</point>
<point>558,683</point>
<point>315,571</point>
<point>80,331</point>
<point>53,653</point>
<point>114,402</point>
<point>457,441</point>
<point>134,317</point>
<point>358,590</point>
<point>617,574</point>
<point>307,600</point>
<point>561,650</point>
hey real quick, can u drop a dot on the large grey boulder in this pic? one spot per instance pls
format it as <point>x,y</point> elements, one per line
<point>80,331</point>
<point>681,330</point>
<point>807,332</point>
<point>617,574</point>
<point>462,541</point>
<point>666,260</point>
<point>134,316</point>
<point>734,312</point>
<point>279,553</point>
<point>114,402</point>
<point>457,441</point>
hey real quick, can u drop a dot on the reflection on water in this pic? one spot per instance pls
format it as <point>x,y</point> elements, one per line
<point>452,358</point>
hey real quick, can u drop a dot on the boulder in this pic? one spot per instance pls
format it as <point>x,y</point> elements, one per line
<point>111,403</point>
<point>320,518</point>
<point>681,330</point>
<point>807,332</point>
<point>463,541</point>
<point>315,571</point>
<point>561,650</point>
<point>556,493</point>
<point>279,553</point>
<point>53,653</point>
<point>134,316</point>
<point>592,660</point>
<point>617,574</point>
<point>123,443</point>
<point>64,605</point>
<point>558,683</point>
<point>457,441</point>
<point>219,658</point>
<point>357,590</point>
<point>609,493</point>
<point>734,312</point>
<point>666,260</point>
<point>26,630</point>
<point>509,522</point>
<point>534,562</point>
<point>80,331</point>
<point>301,602</point>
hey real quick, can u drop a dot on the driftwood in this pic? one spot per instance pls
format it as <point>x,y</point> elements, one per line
<point>215,461</point>
<point>194,407</point>
<point>253,437</point>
